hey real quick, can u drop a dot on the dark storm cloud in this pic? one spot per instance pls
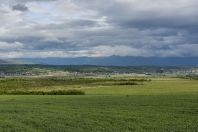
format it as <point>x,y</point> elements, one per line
<point>134,14</point>
<point>25,1</point>
<point>20,7</point>
<point>99,28</point>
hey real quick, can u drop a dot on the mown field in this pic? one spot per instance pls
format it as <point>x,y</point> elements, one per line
<point>109,105</point>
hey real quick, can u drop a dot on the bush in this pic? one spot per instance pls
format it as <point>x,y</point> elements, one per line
<point>127,83</point>
<point>54,92</point>
<point>67,92</point>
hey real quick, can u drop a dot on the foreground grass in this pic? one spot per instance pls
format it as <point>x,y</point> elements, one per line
<point>159,105</point>
<point>155,87</point>
<point>99,113</point>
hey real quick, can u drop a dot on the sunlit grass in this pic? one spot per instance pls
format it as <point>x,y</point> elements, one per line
<point>166,104</point>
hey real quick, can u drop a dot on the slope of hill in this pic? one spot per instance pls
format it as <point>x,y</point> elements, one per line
<point>4,62</point>
<point>117,61</point>
<point>13,61</point>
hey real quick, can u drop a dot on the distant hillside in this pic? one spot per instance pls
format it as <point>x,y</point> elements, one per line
<point>14,61</point>
<point>4,62</point>
<point>117,61</point>
<point>38,68</point>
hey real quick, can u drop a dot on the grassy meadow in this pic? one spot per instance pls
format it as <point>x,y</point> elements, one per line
<point>110,104</point>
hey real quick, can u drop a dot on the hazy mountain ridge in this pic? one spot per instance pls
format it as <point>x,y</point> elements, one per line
<point>116,61</point>
<point>14,61</point>
<point>5,62</point>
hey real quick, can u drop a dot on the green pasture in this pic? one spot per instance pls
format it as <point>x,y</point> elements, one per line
<point>110,105</point>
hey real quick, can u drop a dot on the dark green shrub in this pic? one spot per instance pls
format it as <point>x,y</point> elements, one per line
<point>127,83</point>
<point>66,92</point>
<point>54,92</point>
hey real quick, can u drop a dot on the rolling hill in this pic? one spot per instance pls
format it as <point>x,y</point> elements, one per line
<point>117,61</point>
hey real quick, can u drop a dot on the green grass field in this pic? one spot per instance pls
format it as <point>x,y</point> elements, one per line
<point>168,104</point>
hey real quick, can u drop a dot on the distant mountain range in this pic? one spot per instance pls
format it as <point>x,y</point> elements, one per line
<point>4,62</point>
<point>14,61</point>
<point>107,61</point>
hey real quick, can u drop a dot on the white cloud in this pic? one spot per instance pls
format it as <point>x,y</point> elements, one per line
<point>74,28</point>
<point>11,46</point>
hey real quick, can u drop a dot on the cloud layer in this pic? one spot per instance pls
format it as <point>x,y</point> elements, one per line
<point>95,28</point>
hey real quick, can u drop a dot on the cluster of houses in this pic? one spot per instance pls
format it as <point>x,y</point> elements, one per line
<point>189,71</point>
<point>193,71</point>
<point>3,73</point>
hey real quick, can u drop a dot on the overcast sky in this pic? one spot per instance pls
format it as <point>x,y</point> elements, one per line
<point>97,28</point>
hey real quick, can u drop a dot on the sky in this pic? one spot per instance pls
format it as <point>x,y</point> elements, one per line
<point>98,28</point>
